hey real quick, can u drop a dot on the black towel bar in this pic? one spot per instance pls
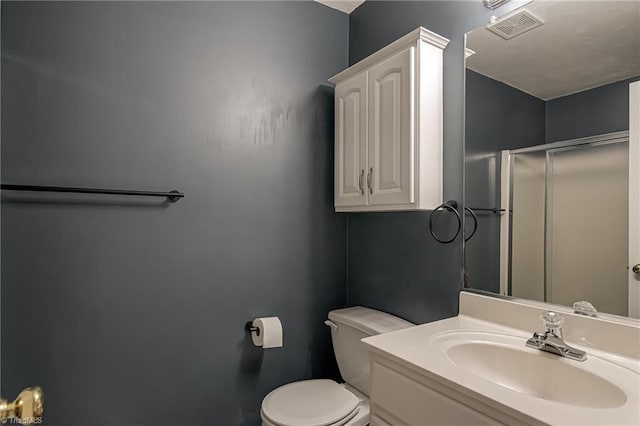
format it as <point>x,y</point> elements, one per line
<point>494,210</point>
<point>172,196</point>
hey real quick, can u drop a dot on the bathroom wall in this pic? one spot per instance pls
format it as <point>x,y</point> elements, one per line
<point>604,109</point>
<point>497,117</point>
<point>394,264</point>
<point>131,311</point>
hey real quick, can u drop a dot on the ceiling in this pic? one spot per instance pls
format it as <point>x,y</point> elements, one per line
<point>582,45</point>
<point>346,6</point>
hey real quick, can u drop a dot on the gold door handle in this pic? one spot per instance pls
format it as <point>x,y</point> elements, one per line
<point>27,407</point>
<point>636,269</point>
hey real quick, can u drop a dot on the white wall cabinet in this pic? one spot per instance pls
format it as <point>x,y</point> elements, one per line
<point>388,124</point>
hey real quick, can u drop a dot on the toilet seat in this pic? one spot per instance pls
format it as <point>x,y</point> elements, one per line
<point>311,403</point>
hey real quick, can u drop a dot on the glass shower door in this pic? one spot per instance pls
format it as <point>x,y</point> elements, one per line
<point>586,227</point>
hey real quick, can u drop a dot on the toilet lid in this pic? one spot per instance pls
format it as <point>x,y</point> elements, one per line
<point>309,402</point>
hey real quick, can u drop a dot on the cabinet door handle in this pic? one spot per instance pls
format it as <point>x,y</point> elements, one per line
<point>369,177</point>
<point>360,183</point>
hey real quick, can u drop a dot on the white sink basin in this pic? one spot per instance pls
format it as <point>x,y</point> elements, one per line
<point>504,360</point>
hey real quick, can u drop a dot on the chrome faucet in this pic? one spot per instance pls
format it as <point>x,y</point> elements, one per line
<point>552,341</point>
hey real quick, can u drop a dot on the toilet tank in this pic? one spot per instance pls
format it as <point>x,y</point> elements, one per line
<point>354,324</point>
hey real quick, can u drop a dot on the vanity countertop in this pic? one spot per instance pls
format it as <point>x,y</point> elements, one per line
<point>419,348</point>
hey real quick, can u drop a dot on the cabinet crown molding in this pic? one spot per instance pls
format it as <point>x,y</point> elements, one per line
<point>419,33</point>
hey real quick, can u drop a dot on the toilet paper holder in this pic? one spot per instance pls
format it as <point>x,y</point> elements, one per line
<point>251,329</point>
<point>266,332</point>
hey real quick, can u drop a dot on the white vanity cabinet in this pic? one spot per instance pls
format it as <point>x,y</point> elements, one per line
<point>388,127</point>
<point>400,396</point>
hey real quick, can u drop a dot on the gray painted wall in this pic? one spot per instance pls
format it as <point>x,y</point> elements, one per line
<point>131,311</point>
<point>604,109</point>
<point>394,264</point>
<point>498,117</point>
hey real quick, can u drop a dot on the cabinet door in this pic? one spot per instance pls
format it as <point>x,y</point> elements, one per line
<point>351,142</point>
<point>391,130</point>
<point>402,394</point>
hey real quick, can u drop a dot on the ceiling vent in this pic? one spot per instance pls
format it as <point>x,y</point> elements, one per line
<point>514,25</point>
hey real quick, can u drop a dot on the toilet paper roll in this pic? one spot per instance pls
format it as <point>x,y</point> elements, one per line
<point>269,333</point>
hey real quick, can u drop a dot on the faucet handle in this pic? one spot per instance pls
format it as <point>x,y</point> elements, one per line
<point>585,308</point>
<point>552,320</point>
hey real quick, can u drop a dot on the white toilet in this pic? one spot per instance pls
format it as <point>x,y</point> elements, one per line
<point>325,402</point>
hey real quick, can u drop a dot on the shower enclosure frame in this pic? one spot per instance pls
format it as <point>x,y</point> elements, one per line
<point>506,202</point>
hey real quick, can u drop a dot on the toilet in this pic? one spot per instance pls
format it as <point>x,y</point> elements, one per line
<point>324,402</point>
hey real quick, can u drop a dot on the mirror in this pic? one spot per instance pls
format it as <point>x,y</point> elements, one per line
<point>546,153</point>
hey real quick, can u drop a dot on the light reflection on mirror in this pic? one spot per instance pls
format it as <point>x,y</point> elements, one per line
<point>546,141</point>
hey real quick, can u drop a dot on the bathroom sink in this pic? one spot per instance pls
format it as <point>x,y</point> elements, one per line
<point>478,364</point>
<point>505,361</point>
